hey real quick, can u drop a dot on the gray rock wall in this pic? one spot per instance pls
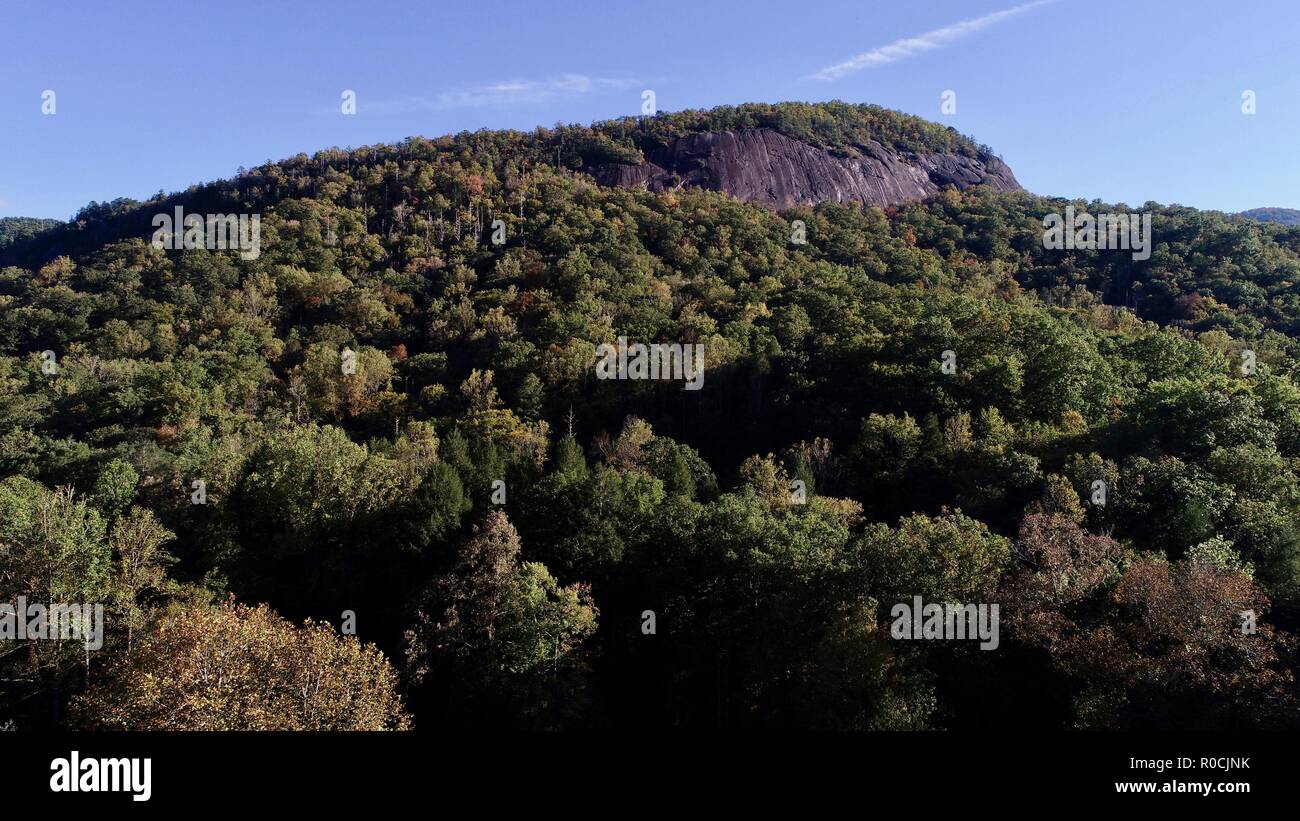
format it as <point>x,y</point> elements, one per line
<point>766,167</point>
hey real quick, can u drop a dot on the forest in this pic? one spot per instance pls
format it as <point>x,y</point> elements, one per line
<point>370,480</point>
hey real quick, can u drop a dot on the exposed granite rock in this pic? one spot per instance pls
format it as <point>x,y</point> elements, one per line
<point>766,167</point>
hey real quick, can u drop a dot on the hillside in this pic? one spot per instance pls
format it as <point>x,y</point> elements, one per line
<point>387,414</point>
<point>13,229</point>
<point>1284,216</point>
<point>775,155</point>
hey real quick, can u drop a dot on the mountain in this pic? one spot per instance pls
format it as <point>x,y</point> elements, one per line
<point>774,155</point>
<point>13,229</point>
<point>394,410</point>
<point>799,154</point>
<point>1285,216</point>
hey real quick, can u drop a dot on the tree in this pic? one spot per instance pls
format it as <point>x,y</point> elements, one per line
<point>115,487</point>
<point>1059,497</point>
<point>497,633</point>
<point>51,544</point>
<point>1062,563</point>
<point>947,558</point>
<point>769,480</point>
<point>436,508</point>
<point>1147,643</point>
<point>233,667</point>
<point>136,541</point>
<point>569,458</point>
<point>52,552</point>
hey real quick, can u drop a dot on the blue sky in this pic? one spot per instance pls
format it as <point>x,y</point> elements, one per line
<point>1122,101</point>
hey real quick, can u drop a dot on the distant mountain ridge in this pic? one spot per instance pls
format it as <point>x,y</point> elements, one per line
<point>1284,216</point>
<point>13,229</point>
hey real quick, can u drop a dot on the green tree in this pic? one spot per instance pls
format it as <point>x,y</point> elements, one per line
<point>497,633</point>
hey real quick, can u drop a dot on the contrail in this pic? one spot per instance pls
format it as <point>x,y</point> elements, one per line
<point>931,40</point>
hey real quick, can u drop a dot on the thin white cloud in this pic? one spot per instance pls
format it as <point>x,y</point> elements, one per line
<point>512,92</point>
<point>931,40</point>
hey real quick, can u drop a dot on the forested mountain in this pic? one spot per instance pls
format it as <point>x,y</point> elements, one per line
<point>13,229</point>
<point>391,419</point>
<point>1286,216</point>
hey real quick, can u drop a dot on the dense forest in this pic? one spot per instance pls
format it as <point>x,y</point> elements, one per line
<point>370,480</point>
<point>13,229</point>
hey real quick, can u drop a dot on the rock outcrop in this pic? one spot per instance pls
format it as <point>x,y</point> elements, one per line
<point>765,167</point>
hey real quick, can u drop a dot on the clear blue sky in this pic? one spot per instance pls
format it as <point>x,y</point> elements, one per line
<point>1124,101</point>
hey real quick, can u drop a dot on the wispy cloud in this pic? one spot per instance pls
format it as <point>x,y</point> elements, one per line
<point>513,92</point>
<point>931,40</point>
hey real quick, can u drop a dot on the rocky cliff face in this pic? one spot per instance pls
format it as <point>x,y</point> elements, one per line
<point>765,167</point>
